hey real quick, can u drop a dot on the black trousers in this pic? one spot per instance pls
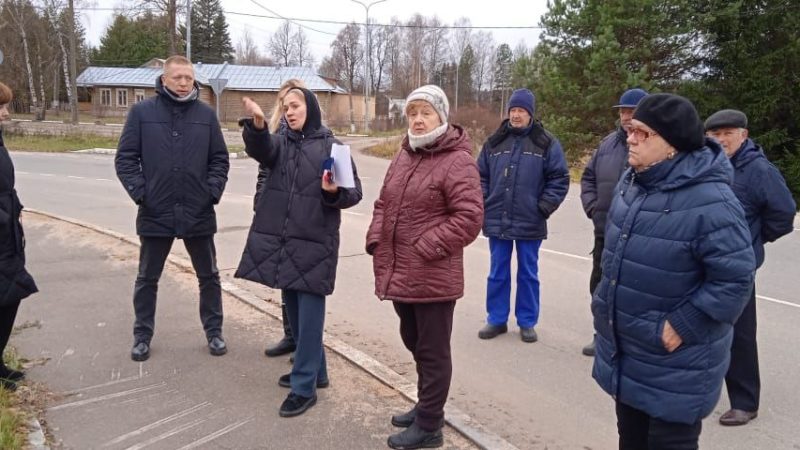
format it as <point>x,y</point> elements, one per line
<point>743,379</point>
<point>597,269</point>
<point>425,329</point>
<point>152,255</point>
<point>8,314</point>
<point>638,431</point>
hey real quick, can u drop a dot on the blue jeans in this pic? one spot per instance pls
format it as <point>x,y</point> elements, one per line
<point>306,314</point>
<point>498,286</point>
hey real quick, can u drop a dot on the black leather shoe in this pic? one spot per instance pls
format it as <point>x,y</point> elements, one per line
<point>528,335</point>
<point>405,420</point>
<point>216,346</point>
<point>415,437</point>
<point>11,374</point>
<point>140,351</point>
<point>286,381</point>
<point>737,417</point>
<point>8,385</point>
<point>589,349</point>
<point>284,346</point>
<point>294,405</point>
<point>492,331</point>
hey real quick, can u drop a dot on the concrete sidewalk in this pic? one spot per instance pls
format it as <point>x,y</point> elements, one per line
<point>79,337</point>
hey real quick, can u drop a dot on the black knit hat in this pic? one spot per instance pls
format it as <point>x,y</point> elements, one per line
<point>674,118</point>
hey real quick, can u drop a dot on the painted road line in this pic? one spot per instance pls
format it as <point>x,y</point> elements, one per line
<point>585,258</point>
<point>780,302</point>
<point>353,213</point>
<point>76,178</point>
<point>20,172</point>
<point>102,179</point>
<point>47,174</point>
<point>569,255</point>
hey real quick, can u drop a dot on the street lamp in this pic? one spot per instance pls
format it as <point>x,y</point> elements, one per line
<point>367,62</point>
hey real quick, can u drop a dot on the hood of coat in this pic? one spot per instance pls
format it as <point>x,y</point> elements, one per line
<point>454,139</point>
<point>313,112</point>
<point>749,152</point>
<point>709,164</point>
<point>172,97</point>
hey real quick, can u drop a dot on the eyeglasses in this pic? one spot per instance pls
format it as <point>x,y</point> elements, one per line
<point>642,135</point>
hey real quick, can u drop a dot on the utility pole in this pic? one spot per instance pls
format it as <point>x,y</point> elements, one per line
<point>189,30</point>
<point>367,61</point>
<point>73,64</point>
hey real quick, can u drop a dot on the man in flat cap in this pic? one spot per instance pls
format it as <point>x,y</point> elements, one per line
<point>599,179</point>
<point>770,210</point>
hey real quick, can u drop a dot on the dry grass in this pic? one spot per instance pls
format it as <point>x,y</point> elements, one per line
<point>386,149</point>
<point>13,431</point>
<point>52,144</point>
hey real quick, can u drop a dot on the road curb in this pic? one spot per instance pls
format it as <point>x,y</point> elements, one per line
<point>457,419</point>
<point>113,151</point>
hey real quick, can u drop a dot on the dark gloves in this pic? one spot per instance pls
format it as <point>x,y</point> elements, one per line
<point>547,208</point>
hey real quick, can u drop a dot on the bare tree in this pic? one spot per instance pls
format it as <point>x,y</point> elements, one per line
<point>484,48</point>
<point>281,45</point>
<point>461,39</point>
<point>302,50</point>
<point>435,41</point>
<point>394,57</point>
<point>414,50</point>
<point>381,39</point>
<point>20,17</point>
<point>347,56</point>
<point>247,53</point>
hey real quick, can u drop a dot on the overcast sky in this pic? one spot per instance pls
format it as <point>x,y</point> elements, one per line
<point>492,13</point>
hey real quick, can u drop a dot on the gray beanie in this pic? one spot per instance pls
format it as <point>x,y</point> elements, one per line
<point>435,96</point>
<point>726,118</point>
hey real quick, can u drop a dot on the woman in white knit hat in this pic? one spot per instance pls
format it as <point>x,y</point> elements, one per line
<point>430,208</point>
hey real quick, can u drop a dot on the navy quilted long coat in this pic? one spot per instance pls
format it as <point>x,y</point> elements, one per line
<point>677,248</point>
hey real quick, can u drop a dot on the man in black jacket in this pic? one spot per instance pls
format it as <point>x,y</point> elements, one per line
<point>601,176</point>
<point>770,210</point>
<point>173,162</point>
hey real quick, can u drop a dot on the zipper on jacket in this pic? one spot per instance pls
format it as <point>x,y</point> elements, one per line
<point>394,230</point>
<point>289,208</point>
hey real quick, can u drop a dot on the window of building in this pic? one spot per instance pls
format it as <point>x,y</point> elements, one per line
<point>122,98</point>
<point>105,97</point>
<point>138,95</point>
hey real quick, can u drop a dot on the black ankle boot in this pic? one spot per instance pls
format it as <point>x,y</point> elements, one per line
<point>284,346</point>
<point>415,437</point>
<point>8,384</point>
<point>11,374</point>
<point>405,420</point>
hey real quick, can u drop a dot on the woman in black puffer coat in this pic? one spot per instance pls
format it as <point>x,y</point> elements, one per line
<point>293,244</point>
<point>15,282</point>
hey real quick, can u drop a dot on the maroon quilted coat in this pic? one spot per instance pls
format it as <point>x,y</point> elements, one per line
<point>429,209</point>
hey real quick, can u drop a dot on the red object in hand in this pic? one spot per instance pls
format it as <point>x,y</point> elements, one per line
<point>328,176</point>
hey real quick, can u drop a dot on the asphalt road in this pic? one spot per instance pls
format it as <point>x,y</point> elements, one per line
<point>534,395</point>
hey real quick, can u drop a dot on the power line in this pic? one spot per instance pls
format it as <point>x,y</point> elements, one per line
<point>339,22</point>
<point>294,21</point>
<point>393,25</point>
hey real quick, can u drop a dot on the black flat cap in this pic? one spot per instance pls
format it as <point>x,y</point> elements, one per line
<point>726,118</point>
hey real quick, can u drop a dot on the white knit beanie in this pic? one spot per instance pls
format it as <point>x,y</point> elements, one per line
<point>435,96</point>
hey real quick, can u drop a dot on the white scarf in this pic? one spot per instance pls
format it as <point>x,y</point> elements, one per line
<point>419,141</point>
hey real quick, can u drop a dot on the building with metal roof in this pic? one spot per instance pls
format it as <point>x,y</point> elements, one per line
<point>113,90</point>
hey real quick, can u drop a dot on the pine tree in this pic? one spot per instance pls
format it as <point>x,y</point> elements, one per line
<point>131,43</point>
<point>211,42</point>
